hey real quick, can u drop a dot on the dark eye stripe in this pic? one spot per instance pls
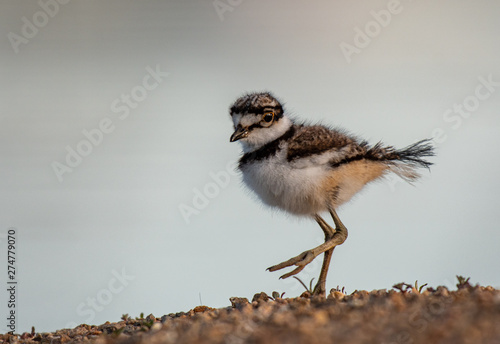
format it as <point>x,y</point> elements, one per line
<point>263,110</point>
<point>256,125</point>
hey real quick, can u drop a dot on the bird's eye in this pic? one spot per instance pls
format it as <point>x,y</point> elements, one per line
<point>268,117</point>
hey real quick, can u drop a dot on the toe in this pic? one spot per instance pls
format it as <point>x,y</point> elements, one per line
<point>301,261</point>
<point>293,272</point>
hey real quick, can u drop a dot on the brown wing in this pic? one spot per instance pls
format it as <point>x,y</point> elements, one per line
<point>317,139</point>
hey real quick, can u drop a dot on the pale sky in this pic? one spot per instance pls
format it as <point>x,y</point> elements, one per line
<point>114,120</point>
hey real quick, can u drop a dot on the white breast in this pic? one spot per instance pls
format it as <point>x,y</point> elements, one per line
<point>280,184</point>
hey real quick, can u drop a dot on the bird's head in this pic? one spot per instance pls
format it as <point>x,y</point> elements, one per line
<point>258,119</point>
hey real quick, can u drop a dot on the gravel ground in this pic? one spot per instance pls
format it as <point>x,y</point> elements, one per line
<point>470,314</point>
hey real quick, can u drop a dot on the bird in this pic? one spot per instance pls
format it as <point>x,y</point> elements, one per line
<point>309,169</point>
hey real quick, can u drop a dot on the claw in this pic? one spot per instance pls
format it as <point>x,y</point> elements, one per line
<point>300,261</point>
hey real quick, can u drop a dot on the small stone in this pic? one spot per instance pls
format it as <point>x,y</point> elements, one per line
<point>53,339</point>
<point>360,294</point>
<point>201,309</point>
<point>65,338</point>
<point>379,292</point>
<point>276,295</point>
<point>260,297</point>
<point>239,302</point>
<point>306,294</point>
<point>26,335</point>
<point>442,291</point>
<point>336,295</point>
<point>95,331</point>
<point>426,292</point>
<point>156,327</point>
<point>13,339</point>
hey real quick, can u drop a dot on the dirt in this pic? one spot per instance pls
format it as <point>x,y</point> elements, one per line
<point>402,315</point>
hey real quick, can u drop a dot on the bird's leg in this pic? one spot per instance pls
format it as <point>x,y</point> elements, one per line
<point>320,288</point>
<point>341,232</point>
<point>333,238</point>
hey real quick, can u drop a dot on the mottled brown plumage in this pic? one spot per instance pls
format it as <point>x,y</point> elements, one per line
<point>317,139</point>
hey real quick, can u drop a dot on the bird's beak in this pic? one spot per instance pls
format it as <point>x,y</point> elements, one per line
<point>240,133</point>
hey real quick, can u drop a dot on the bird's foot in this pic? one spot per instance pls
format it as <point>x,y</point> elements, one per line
<point>300,261</point>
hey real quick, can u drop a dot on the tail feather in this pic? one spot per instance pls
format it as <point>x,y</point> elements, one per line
<point>404,162</point>
<point>414,154</point>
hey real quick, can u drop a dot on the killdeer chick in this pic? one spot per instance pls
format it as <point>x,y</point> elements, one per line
<point>310,169</point>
